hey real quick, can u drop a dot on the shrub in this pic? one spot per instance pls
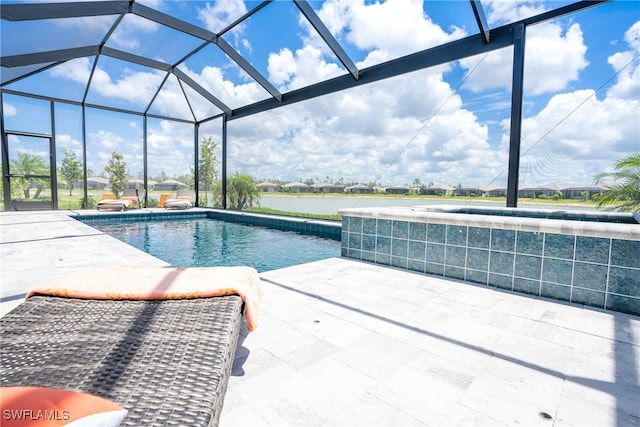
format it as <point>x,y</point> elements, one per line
<point>90,204</point>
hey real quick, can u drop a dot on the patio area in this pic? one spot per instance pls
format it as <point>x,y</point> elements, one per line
<point>344,342</point>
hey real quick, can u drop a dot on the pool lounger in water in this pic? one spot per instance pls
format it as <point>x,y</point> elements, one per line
<point>166,361</point>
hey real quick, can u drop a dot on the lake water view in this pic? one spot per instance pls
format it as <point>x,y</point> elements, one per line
<point>329,205</point>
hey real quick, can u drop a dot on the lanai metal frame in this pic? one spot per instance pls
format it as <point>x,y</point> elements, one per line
<point>486,40</point>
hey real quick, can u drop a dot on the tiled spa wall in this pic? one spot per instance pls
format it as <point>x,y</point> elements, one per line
<point>596,271</point>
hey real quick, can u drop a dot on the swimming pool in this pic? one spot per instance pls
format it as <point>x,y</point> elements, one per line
<point>204,242</point>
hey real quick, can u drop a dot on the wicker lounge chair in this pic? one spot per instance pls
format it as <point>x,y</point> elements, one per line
<point>130,196</point>
<point>167,362</point>
<point>184,199</point>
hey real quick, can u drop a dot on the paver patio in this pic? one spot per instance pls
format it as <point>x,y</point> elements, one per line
<point>350,343</point>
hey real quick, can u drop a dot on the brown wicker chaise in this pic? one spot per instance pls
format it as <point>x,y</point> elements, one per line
<point>166,361</point>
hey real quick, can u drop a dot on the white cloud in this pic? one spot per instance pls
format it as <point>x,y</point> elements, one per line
<point>218,15</point>
<point>632,37</point>
<point>137,87</point>
<point>627,66</point>
<point>170,148</point>
<point>372,132</point>
<point>171,101</point>
<point>100,146</point>
<point>554,57</point>
<point>577,136</point>
<point>501,12</point>
<point>385,30</point>
<point>368,133</point>
<point>233,95</point>
<point>77,70</point>
<point>305,67</point>
<point>65,141</point>
<point>9,110</point>
<point>106,140</point>
<point>282,66</point>
<point>130,28</point>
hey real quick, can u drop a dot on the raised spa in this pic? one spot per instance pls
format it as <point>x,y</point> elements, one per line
<point>590,258</point>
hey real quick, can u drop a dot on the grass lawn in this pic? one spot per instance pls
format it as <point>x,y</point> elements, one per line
<point>75,200</point>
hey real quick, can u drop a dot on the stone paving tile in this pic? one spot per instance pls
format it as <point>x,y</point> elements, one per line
<point>334,330</point>
<point>514,399</point>
<point>370,410</point>
<point>364,355</point>
<point>425,387</point>
<point>240,414</point>
<point>462,416</point>
<point>578,411</point>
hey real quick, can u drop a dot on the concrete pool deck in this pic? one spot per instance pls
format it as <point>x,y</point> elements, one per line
<point>343,342</point>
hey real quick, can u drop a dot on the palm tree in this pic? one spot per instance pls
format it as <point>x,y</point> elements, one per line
<point>29,164</point>
<point>624,191</point>
<point>243,191</point>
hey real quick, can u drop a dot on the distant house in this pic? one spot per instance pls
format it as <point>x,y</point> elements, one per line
<point>494,191</point>
<point>359,189</point>
<point>397,189</point>
<point>436,190</point>
<point>485,190</point>
<point>467,191</point>
<point>325,187</point>
<point>269,187</point>
<point>579,191</point>
<point>134,183</point>
<point>171,185</point>
<point>97,183</point>
<point>138,183</point>
<point>297,187</point>
<point>535,191</point>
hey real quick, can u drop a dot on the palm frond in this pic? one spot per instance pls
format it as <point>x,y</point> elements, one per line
<point>624,191</point>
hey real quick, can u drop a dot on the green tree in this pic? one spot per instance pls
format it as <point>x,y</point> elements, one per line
<point>71,169</point>
<point>207,166</point>
<point>117,170</point>
<point>624,190</point>
<point>242,191</point>
<point>162,177</point>
<point>29,164</point>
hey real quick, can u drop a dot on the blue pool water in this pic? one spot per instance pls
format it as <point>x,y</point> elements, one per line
<point>207,242</point>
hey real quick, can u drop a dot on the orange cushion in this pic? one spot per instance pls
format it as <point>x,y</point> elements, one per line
<point>134,199</point>
<point>48,407</point>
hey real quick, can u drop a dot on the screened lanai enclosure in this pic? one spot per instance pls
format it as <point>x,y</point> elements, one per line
<point>185,94</point>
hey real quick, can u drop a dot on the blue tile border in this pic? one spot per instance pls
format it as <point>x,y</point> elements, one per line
<point>586,269</point>
<point>326,229</point>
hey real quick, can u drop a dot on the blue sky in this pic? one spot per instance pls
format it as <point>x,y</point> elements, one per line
<point>448,124</point>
